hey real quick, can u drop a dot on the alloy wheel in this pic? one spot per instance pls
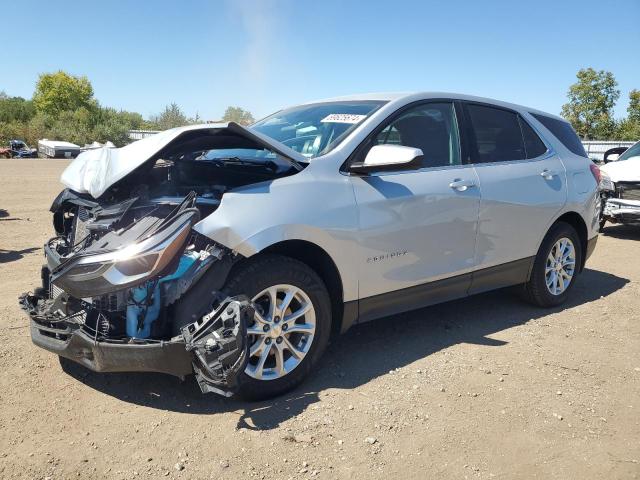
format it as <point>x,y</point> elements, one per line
<point>282,332</point>
<point>560,266</point>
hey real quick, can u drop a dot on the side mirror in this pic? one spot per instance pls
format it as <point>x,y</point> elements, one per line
<point>388,158</point>
<point>617,151</point>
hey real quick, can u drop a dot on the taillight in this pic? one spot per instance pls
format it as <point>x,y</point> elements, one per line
<point>595,171</point>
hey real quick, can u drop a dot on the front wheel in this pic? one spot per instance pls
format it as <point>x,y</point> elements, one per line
<point>556,267</point>
<point>291,327</point>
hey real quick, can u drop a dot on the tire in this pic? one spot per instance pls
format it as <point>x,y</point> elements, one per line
<point>536,290</point>
<point>269,272</point>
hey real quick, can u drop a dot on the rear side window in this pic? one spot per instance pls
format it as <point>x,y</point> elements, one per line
<point>497,134</point>
<point>564,132</point>
<point>532,143</point>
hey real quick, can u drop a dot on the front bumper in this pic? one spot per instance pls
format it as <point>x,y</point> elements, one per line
<point>618,210</point>
<point>214,346</point>
<point>102,356</point>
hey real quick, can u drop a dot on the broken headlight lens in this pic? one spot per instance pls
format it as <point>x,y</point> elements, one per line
<point>93,275</point>
<point>605,182</point>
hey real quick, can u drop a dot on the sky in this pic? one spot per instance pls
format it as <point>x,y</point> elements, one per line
<point>263,55</point>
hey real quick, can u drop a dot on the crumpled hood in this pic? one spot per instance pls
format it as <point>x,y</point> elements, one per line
<point>624,170</point>
<point>94,171</point>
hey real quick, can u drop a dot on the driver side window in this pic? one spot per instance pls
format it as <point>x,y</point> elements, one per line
<point>430,127</point>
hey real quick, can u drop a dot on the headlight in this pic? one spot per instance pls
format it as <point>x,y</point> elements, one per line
<point>605,182</point>
<point>91,275</point>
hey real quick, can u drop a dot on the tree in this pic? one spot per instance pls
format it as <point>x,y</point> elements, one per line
<point>114,126</point>
<point>633,110</point>
<point>238,115</point>
<point>171,117</point>
<point>15,109</point>
<point>591,102</point>
<point>58,92</point>
<point>629,128</point>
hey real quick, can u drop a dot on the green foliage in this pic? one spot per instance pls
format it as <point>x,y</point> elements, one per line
<point>58,92</point>
<point>171,117</point>
<point>591,102</point>
<point>11,130</point>
<point>238,115</point>
<point>628,129</point>
<point>81,126</point>
<point>633,110</point>
<point>15,109</point>
<point>112,125</point>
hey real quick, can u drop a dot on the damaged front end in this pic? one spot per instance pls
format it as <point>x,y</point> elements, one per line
<point>622,203</point>
<point>128,284</point>
<point>116,293</point>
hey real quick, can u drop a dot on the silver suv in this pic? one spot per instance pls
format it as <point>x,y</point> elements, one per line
<point>235,253</point>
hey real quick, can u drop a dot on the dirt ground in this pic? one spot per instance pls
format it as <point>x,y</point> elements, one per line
<point>486,387</point>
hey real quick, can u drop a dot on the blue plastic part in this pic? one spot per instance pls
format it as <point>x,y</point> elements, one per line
<point>139,297</point>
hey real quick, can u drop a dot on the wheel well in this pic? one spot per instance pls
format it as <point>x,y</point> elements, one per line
<point>320,261</point>
<point>575,220</point>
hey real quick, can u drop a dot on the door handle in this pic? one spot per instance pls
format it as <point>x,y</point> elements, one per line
<point>461,185</point>
<point>548,174</point>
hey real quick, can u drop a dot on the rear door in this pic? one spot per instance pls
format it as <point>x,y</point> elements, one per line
<point>523,187</point>
<point>417,226</point>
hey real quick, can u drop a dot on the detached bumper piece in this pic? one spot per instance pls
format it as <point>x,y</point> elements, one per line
<point>214,347</point>
<point>622,210</point>
<point>219,345</point>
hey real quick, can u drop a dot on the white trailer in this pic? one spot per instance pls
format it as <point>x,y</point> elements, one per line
<point>57,149</point>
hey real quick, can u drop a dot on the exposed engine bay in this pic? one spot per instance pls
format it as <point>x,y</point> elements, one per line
<point>128,285</point>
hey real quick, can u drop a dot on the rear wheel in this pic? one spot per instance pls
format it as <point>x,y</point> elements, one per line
<point>556,267</point>
<point>291,327</point>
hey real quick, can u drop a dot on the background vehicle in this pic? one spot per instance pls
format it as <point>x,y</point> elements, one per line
<point>613,154</point>
<point>620,187</point>
<point>58,149</point>
<point>18,149</point>
<point>216,242</point>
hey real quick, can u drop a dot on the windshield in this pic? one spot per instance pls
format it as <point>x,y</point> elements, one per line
<point>632,152</point>
<point>315,129</point>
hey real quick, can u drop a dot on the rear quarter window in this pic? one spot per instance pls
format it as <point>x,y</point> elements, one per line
<point>564,132</point>
<point>532,143</point>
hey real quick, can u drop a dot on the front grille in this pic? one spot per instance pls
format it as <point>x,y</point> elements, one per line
<point>54,291</point>
<point>80,230</point>
<point>629,191</point>
<point>58,330</point>
<point>106,302</point>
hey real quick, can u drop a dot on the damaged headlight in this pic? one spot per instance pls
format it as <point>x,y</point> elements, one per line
<point>605,182</point>
<point>89,274</point>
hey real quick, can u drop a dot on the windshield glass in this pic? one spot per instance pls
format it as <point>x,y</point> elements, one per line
<point>632,152</point>
<point>315,129</point>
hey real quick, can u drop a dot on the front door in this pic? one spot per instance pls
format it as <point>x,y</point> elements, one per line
<point>417,227</point>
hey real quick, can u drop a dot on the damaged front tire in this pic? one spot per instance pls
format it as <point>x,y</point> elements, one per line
<point>291,327</point>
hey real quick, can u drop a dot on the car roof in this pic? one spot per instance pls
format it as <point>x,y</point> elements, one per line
<point>407,97</point>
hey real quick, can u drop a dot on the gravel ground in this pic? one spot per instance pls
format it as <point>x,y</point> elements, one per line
<point>486,387</point>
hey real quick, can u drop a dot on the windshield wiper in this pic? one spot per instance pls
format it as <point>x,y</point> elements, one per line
<point>269,164</point>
